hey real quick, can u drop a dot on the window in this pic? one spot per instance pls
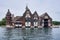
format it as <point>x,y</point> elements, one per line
<point>35,23</point>
<point>27,23</point>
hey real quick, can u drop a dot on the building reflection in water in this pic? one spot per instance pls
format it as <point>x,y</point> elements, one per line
<point>7,34</point>
<point>28,34</point>
<point>37,34</point>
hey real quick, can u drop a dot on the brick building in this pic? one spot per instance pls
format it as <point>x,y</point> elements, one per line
<point>28,19</point>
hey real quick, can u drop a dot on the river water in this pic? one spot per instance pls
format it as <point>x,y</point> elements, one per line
<point>30,34</point>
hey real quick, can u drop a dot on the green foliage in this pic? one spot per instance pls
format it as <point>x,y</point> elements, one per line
<point>3,22</point>
<point>56,22</point>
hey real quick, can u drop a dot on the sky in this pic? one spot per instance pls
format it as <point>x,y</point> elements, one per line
<point>17,7</point>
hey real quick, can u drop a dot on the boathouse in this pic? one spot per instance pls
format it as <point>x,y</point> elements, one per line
<point>28,20</point>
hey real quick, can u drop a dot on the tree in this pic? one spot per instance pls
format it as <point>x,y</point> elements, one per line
<point>56,22</point>
<point>3,22</point>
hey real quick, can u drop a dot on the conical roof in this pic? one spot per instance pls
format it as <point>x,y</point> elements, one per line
<point>8,13</point>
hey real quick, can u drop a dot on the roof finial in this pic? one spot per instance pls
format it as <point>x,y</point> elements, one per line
<point>8,10</point>
<point>8,13</point>
<point>27,7</point>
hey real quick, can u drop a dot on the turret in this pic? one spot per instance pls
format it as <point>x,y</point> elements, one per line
<point>8,18</point>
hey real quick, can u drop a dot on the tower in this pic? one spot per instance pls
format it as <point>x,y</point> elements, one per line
<point>8,18</point>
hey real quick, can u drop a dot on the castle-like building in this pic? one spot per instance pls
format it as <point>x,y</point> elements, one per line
<point>28,20</point>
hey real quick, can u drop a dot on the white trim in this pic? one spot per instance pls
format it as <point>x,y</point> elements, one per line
<point>46,17</point>
<point>27,15</point>
<point>18,24</point>
<point>35,18</point>
<point>49,24</point>
<point>48,20</point>
<point>27,23</point>
<point>35,23</point>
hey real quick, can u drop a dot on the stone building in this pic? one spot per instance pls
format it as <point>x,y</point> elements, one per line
<point>28,20</point>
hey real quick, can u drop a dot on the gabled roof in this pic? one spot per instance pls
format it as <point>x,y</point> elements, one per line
<point>27,9</point>
<point>17,18</point>
<point>35,14</point>
<point>45,14</point>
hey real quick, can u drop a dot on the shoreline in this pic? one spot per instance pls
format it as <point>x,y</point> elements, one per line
<point>54,26</point>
